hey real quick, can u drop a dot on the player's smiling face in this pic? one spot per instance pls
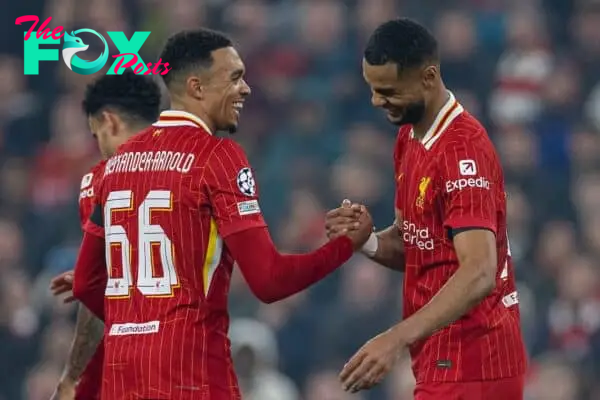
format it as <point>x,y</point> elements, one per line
<point>402,96</point>
<point>226,89</point>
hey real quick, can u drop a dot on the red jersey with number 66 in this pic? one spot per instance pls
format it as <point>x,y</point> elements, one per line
<point>448,181</point>
<point>168,197</point>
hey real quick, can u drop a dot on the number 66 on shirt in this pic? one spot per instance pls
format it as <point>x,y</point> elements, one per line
<point>150,236</point>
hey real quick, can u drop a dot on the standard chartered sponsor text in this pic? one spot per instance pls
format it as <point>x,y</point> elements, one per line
<point>412,234</point>
<point>150,161</point>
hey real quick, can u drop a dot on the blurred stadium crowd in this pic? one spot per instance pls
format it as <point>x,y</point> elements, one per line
<point>527,68</point>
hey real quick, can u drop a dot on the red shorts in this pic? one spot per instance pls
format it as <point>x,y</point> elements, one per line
<point>501,389</point>
<point>90,384</point>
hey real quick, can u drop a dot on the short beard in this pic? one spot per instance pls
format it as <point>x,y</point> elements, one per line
<point>413,114</point>
<point>232,129</point>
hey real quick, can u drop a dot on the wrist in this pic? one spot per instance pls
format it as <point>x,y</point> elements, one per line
<point>371,245</point>
<point>346,246</point>
<point>405,334</point>
<point>67,379</point>
<point>66,383</point>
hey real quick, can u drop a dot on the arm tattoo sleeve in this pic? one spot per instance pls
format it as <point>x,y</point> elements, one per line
<point>88,334</point>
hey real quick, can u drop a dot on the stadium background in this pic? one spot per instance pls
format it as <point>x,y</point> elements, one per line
<point>527,68</point>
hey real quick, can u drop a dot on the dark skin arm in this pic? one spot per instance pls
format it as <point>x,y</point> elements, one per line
<point>390,248</point>
<point>88,334</point>
<point>474,280</point>
<point>471,283</point>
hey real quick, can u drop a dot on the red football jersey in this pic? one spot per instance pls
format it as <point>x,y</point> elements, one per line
<point>168,197</point>
<point>452,179</point>
<point>90,382</point>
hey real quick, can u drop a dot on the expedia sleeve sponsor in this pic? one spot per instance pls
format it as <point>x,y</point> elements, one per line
<point>87,190</point>
<point>463,183</point>
<point>86,193</point>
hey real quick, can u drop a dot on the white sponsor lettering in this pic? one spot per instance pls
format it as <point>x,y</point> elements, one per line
<point>150,161</point>
<point>134,329</point>
<point>86,193</point>
<point>248,207</point>
<point>464,183</point>
<point>510,299</point>
<point>86,180</point>
<point>467,167</point>
<point>416,236</point>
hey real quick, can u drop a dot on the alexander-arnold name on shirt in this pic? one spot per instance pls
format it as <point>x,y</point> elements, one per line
<point>150,161</point>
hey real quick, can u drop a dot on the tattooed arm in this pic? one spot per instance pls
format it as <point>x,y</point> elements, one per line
<point>88,334</point>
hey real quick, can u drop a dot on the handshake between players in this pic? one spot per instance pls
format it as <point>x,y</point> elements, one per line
<point>460,305</point>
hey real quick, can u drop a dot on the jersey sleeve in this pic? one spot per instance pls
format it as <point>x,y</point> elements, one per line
<point>232,190</point>
<point>89,281</point>
<point>86,198</point>
<point>94,225</point>
<point>469,172</point>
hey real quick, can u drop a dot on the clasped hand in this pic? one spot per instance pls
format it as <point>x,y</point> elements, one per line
<point>376,358</point>
<point>352,220</point>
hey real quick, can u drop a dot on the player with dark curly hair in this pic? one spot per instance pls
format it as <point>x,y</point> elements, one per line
<point>461,313</point>
<point>177,206</point>
<point>117,107</point>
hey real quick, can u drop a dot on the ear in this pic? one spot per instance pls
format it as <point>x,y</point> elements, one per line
<point>194,87</point>
<point>112,122</point>
<point>430,75</point>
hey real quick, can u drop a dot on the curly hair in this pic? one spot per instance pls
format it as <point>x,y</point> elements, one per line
<point>134,96</point>
<point>187,50</point>
<point>403,42</point>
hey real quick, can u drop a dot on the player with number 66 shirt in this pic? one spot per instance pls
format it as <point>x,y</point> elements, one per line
<point>177,205</point>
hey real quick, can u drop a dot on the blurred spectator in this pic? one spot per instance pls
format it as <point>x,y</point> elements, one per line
<point>553,379</point>
<point>254,351</point>
<point>522,69</point>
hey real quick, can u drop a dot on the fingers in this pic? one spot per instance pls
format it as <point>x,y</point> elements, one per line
<point>372,377</point>
<point>344,219</point>
<point>363,371</point>
<point>366,374</point>
<point>57,291</point>
<point>343,212</point>
<point>66,278</point>
<point>62,283</point>
<point>347,204</point>
<point>69,299</point>
<point>341,223</point>
<point>350,367</point>
<point>60,289</point>
<point>355,379</point>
